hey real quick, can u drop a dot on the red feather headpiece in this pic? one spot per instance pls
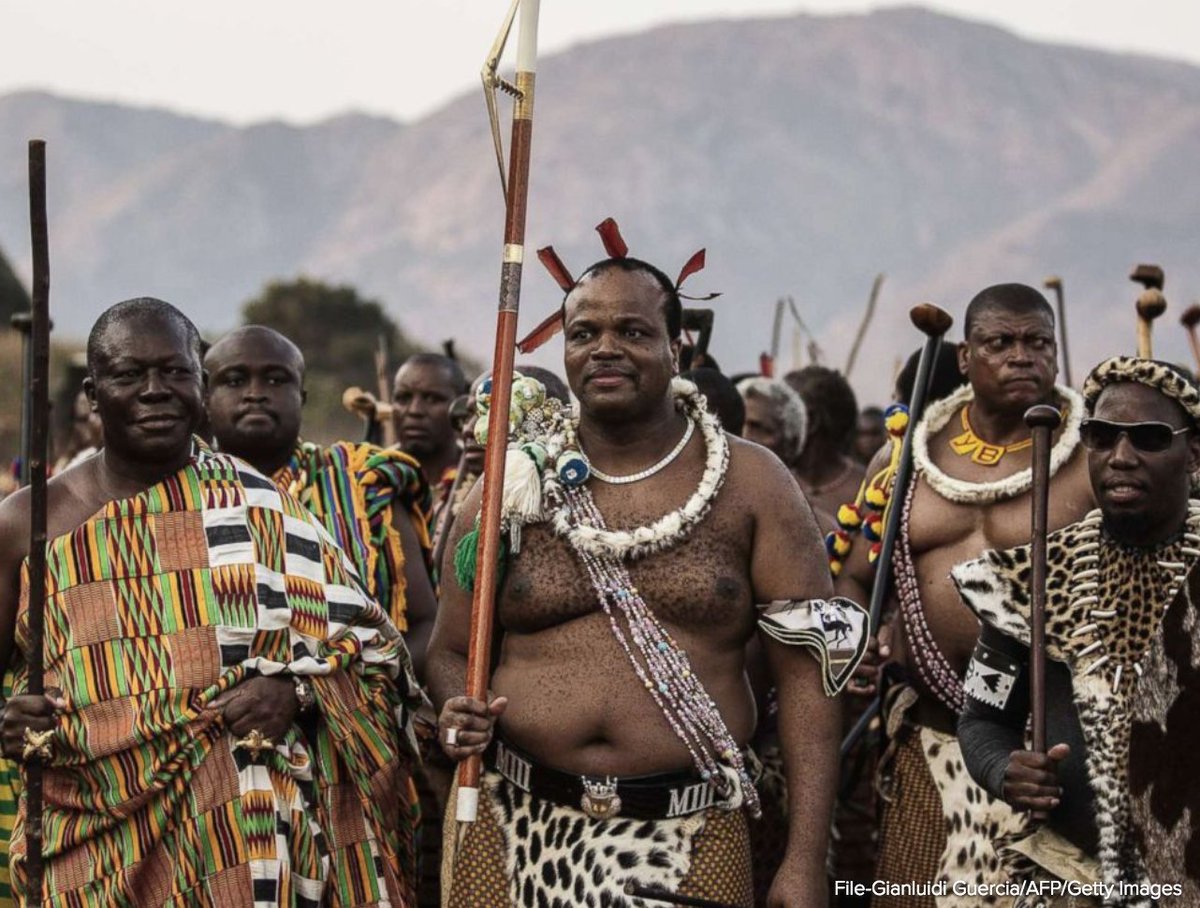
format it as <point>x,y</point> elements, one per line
<point>617,248</point>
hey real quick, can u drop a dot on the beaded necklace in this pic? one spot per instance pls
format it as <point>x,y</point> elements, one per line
<point>931,663</point>
<point>662,665</point>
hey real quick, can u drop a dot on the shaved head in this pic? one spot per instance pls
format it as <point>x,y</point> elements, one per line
<point>267,341</point>
<point>256,395</point>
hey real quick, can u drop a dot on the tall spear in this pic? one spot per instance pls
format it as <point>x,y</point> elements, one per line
<point>872,301</point>
<point>37,746</point>
<point>516,197</point>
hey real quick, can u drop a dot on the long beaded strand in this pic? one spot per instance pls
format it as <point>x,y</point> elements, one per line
<point>661,664</point>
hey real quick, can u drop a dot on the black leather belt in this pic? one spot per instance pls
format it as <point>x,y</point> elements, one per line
<point>659,796</point>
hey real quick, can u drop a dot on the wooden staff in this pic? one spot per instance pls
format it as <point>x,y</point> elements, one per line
<point>933,323</point>
<point>1042,421</point>
<point>516,196</point>
<point>37,747</point>
<point>1055,283</point>
<point>1150,304</point>
<point>1190,319</point>
<point>383,381</point>
<point>872,300</point>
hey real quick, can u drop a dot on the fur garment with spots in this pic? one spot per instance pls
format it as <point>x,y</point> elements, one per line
<point>558,857</point>
<point>1104,607</point>
<point>974,819</point>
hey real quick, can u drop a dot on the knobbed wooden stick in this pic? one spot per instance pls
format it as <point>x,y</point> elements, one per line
<point>1190,319</point>
<point>1150,305</point>
<point>488,551</point>
<point>1042,421</point>
<point>933,323</point>
<point>35,456</point>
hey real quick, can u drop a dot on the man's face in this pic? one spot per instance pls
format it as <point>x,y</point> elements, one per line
<point>763,426</point>
<point>255,395</point>
<point>1010,360</point>
<point>473,451</point>
<point>147,388</point>
<point>421,398</point>
<point>618,358</point>
<point>869,436</point>
<point>1142,492</point>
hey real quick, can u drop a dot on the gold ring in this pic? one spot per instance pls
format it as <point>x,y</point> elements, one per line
<point>255,742</point>
<point>37,743</point>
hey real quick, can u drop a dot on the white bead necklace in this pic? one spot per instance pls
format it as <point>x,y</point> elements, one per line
<point>650,470</point>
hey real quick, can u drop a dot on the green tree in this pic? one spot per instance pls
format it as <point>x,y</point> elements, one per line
<point>339,332</point>
<point>13,295</point>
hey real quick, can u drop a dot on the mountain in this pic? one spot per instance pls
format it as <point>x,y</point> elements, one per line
<point>806,153</point>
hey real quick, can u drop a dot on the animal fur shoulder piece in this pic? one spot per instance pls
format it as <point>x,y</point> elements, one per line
<point>963,492</point>
<point>1104,606</point>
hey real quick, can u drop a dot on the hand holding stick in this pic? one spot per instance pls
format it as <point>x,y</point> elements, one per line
<point>35,457</point>
<point>1042,421</point>
<point>516,197</point>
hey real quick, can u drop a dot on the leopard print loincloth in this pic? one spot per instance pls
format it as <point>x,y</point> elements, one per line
<point>545,854</point>
<point>974,819</point>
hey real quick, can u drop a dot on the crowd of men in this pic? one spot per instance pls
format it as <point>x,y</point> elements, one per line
<point>256,645</point>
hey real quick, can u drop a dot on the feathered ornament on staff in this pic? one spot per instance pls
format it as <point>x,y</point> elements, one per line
<point>516,198</point>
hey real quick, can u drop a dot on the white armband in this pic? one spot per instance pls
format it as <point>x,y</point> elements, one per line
<point>835,630</point>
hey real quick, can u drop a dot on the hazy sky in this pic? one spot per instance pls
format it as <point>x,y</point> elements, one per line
<point>306,59</point>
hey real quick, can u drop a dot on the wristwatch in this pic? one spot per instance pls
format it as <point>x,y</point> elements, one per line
<point>304,695</point>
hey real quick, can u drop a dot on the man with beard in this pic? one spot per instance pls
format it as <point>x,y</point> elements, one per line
<point>1111,577</point>
<point>969,492</point>
<point>620,687</point>
<point>424,389</point>
<point>196,619</point>
<point>374,503</point>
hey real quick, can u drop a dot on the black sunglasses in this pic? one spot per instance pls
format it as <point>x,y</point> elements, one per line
<point>1150,437</point>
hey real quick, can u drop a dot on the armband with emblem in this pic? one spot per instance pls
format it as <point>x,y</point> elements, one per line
<point>992,676</point>
<point>835,630</point>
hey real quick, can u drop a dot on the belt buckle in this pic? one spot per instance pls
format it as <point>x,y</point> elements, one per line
<point>600,800</point>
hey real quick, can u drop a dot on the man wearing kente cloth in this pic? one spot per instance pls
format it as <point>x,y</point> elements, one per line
<point>969,492</point>
<point>423,395</point>
<point>621,705</point>
<point>228,708</point>
<point>1111,578</point>
<point>373,502</point>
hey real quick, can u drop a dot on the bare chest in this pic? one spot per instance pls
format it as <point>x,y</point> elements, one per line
<point>701,583</point>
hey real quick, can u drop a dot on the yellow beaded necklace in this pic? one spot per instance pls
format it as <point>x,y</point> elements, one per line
<point>982,452</point>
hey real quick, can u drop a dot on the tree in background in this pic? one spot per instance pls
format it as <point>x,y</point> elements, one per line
<point>338,332</point>
<point>14,298</point>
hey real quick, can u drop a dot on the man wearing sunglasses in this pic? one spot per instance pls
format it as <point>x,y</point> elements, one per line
<point>1101,807</point>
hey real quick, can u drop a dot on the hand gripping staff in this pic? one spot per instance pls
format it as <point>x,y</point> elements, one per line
<point>933,323</point>
<point>516,197</point>
<point>37,744</point>
<point>1042,421</point>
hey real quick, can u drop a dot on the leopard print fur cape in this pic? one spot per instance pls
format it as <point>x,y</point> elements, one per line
<point>1105,605</point>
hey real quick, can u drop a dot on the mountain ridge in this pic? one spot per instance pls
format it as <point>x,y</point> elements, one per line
<point>806,152</point>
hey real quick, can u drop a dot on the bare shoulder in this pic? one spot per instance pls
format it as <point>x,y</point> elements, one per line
<point>14,521</point>
<point>758,474</point>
